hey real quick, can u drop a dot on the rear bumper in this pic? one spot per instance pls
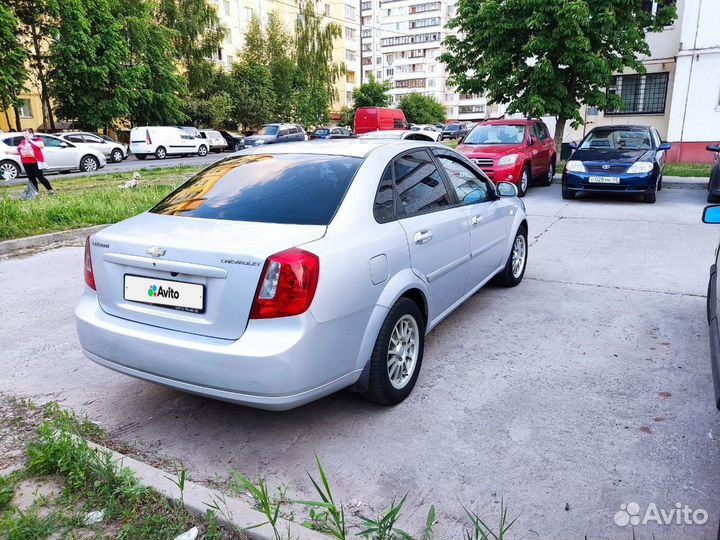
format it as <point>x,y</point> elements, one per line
<point>629,183</point>
<point>276,364</point>
<point>714,332</point>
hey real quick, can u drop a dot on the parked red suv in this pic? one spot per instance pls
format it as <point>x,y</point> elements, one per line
<point>516,151</point>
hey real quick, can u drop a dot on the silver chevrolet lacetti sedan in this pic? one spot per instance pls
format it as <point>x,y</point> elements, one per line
<point>287,272</point>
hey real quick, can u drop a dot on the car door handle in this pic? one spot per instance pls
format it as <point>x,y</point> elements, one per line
<point>423,237</point>
<point>476,220</point>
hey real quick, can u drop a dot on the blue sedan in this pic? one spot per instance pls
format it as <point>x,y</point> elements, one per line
<point>617,159</point>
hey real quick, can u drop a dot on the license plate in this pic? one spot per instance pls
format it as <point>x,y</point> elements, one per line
<point>178,295</point>
<point>604,180</point>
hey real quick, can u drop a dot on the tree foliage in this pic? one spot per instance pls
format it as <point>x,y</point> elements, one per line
<point>38,27</point>
<point>198,36</point>
<point>92,82</point>
<point>372,94</point>
<point>252,92</point>
<point>157,97</point>
<point>547,57</point>
<point>13,72</point>
<point>317,72</point>
<point>421,109</point>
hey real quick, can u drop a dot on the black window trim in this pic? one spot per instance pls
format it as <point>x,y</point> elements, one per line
<point>470,165</point>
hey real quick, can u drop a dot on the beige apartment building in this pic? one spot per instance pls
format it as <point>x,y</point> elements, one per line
<point>236,14</point>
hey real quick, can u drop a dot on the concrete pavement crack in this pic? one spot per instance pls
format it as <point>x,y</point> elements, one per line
<point>616,287</point>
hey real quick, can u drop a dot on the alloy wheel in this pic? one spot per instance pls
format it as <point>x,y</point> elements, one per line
<point>89,164</point>
<point>8,171</point>
<point>403,350</point>
<point>551,173</point>
<point>519,254</point>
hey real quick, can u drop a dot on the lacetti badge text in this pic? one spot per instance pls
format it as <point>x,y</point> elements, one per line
<point>163,292</point>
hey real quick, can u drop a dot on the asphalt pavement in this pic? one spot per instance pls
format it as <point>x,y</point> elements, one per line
<point>585,388</point>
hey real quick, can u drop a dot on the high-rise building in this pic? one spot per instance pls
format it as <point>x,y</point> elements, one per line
<point>236,14</point>
<point>401,41</point>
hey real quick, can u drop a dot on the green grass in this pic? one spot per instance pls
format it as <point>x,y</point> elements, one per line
<point>688,169</point>
<point>85,201</point>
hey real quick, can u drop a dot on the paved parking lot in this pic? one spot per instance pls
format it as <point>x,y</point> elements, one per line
<point>586,387</point>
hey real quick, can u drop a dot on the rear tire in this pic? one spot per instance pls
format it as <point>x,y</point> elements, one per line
<point>567,194</point>
<point>397,356</point>
<point>548,180</point>
<point>160,152</point>
<point>514,270</point>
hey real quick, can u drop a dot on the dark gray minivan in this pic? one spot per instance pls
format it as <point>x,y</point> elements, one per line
<point>276,133</point>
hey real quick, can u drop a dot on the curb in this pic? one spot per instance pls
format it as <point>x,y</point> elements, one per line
<point>44,240</point>
<point>197,499</point>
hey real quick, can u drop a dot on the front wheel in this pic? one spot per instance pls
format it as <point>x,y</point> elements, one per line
<point>514,269</point>
<point>89,164</point>
<point>116,155</point>
<point>567,194</point>
<point>650,196</point>
<point>9,170</point>
<point>202,151</point>
<point>238,147</point>
<point>524,182</point>
<point>397,355</point>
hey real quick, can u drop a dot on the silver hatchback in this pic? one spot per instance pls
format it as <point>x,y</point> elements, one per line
<point>284,273</point>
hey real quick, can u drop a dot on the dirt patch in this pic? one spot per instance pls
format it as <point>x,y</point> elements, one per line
<point>38,492</point>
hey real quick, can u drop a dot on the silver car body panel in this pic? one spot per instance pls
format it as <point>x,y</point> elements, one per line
<point>365,266</point>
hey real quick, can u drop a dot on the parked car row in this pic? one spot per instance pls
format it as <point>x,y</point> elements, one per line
<point>60,155</point>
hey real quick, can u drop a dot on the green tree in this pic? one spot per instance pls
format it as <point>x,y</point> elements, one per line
<point>547,57</point>
<point>317,72</point>
<point>159,95</point>
<point>252,94</point>
<point>214,112</point>
<point>91,79</point>
<point>372,94</point>
<point>198,36</point>
<point>13,72</point>
<point>255,49</point>
<point>282,66</point>
<point>38,27</point>
<point>421,109</point>
<point>347,117</point>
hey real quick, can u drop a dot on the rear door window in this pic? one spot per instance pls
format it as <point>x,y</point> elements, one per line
<point>13,141</point>
<point>75,138</point>
<point>302,189</point>
<point>419,185</point>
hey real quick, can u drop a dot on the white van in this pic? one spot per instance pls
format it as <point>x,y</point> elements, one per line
<point>163,141</point>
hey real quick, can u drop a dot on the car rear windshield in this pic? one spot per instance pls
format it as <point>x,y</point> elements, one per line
<point>322,131</point>
<point>282,188</point>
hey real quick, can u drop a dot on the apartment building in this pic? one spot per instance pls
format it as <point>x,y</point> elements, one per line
<point>680,92</point>
<point>236,14</point>
<point>401,41</point>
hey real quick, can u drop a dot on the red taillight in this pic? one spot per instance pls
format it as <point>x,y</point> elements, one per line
<point>287,284</point>
<point>89,276</point>
<point>147,136</point>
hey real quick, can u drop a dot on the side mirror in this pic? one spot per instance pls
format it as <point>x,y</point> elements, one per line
<point>506,189</point>
<point>573,145</point>
<point>63,145</point>
<point>665,146</point>
<point>711,214</point>
<point>713,147</point>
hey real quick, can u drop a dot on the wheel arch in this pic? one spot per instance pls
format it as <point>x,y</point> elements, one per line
<point>88,155</point>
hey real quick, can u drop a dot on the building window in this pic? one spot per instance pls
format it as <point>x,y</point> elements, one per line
<point>366,33</point>
<point>350,12</point>
<point>365,5</point>
<point>24,108</point>
<point>248,14</point>
<point>226,7</point>
<point>641,94</point>
<point>350,55</point>
<point>367,61</point>
<point>350,77</point>
<point>327,10</point>
<point>653,5</point>
<point>349,96</point>
<point>349,33</point>
<point>378,74</point>
<point>422,8</point>
<point>472,109</point>
<point>367,47</point>
<point>378,60</point>
<point>423,23</point>
<point>407,40</point>
<point>389,72</point>
<point>229,60</point>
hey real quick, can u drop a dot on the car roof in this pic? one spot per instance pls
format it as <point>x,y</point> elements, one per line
<point>619,127</point>
<point>19,133</point>
<point>339,147</point>
<point>508,122</point>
